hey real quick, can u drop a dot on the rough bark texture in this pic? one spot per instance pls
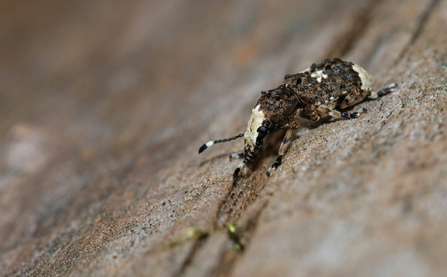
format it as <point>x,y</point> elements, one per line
<point>104,105</point>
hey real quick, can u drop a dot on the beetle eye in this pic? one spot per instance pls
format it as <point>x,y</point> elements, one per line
<point>262,130</point>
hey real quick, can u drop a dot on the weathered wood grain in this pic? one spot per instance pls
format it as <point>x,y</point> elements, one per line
<point>104,106</point>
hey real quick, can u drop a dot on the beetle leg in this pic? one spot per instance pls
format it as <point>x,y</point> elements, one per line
<point>282,149</point>
<point>236,156</point>
<point>238,169</point>
<point>311,111</point>
<point>385,91</point>
<point>354,97</point>
<point>337,114</point>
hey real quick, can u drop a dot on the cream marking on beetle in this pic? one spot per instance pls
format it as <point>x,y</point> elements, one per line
<point>365,77</point>
<point>319,75</point>
<point>255,121</point>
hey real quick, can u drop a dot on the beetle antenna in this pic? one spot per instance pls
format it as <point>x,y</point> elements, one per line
<point>211,142</point>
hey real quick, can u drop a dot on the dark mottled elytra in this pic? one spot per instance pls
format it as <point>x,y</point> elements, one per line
<point>312,93</point>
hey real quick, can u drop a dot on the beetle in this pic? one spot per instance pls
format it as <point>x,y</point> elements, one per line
<point>313,93</point>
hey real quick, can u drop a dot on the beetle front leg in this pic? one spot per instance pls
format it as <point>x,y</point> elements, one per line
<point>282,149</point>
<point>236,156</point>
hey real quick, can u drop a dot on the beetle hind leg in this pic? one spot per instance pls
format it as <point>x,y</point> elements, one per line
<point>385,91</point>
<point>337,114</point>
<point>354,97</point>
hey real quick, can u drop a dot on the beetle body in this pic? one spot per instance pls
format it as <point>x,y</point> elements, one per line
<point>312,93</point>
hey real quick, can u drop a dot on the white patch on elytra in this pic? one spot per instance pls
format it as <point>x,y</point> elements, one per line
<point>319,74</point>
<point>255,121</point>
<point>365,77</point>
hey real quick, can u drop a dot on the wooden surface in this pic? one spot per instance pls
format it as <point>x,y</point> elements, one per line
<point>103,107</point>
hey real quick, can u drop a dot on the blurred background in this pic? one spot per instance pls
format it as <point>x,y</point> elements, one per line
<point>125,73</point>
<point>103,105</point>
